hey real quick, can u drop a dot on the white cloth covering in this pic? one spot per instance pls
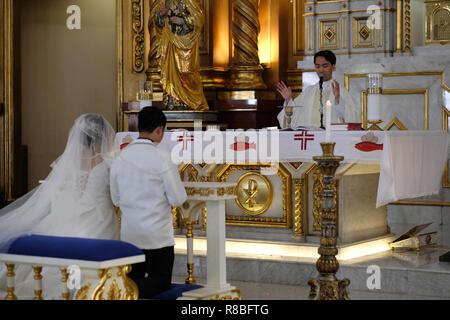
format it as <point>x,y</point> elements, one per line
<point>144,184</point>
<point>411,165</point>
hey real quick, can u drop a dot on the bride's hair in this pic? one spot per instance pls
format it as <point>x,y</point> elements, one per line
<point>92,127</point>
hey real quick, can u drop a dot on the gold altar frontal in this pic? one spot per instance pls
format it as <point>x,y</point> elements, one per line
<point>277,211</point>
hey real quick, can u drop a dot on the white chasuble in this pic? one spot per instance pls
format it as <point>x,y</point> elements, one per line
<point>306,107</point>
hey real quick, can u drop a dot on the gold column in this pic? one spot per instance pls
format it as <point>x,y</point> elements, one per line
<point>407,26</point>
<point>298,211</point>
<point>246,70</point>
<point>399,31</point>
<point>326,286</point>
<point>153,71</point>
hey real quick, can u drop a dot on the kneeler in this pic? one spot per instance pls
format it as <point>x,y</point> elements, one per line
<point>176,291</point>
<point>95,268</point>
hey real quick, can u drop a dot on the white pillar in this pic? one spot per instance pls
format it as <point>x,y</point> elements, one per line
<point>216,266</point>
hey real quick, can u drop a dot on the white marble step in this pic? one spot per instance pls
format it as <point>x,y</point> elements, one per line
<point>409,273</point>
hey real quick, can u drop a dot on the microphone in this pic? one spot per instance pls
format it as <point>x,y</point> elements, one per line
<point>320,99</point>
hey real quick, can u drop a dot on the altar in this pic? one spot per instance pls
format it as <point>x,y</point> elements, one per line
<point>279,189</point>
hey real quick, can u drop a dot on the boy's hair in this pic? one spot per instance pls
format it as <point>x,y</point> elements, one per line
<point>150,118</point>
<point>327,54</point>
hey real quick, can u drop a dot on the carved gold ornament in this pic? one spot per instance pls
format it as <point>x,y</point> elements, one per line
<point>83,292</point>
<point>329,34</point>
<point>259,220</point>
<point>138,35</point>
<point>364,32</point>
<point>254,193</point>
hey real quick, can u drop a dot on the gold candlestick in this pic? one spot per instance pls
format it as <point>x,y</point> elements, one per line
<point>326,286</point>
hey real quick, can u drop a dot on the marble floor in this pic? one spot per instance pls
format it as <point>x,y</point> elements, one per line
<point>270,291</point>
<point>410,275</point>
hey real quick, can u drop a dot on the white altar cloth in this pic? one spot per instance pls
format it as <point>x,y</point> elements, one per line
<point>411,162</point>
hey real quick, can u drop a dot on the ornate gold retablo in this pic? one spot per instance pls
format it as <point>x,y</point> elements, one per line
<point>254,193</point>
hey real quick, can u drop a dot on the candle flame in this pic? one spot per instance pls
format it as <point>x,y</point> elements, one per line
<point>328,103</point>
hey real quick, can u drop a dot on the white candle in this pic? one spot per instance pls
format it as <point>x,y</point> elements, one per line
<point>328,121</point>
<point>373,107</point>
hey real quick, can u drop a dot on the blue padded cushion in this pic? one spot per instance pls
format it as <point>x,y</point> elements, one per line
<point>73,248</point>
<point>176,291</point>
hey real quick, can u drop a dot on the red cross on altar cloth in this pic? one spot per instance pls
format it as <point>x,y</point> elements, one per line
<point>185,138</point>
<point>304,137</point>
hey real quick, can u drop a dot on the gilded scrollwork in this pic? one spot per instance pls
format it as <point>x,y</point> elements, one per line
<point>203,192</point>
<point>138,35</point>
<point>317,199</point>
<point>114,292</point>
<point>131,289</point>
<point>83,292</point>
<point>298,207</point>
<point>318,187</point>
<point>104,275</point>
<point>234,294</point>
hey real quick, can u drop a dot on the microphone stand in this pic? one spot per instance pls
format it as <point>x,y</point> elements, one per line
<point>321,103</point>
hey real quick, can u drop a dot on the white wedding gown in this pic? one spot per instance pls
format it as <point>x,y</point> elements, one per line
<point>87,214</point>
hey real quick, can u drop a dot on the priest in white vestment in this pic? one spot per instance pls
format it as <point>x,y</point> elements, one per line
<point>307,107</point>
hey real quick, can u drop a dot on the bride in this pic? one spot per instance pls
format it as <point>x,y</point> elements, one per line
<point>73,201</point>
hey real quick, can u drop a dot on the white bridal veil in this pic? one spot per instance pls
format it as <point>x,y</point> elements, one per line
<point>91,142</point>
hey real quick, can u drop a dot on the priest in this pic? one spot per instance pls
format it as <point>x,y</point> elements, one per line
<point>309,106</point>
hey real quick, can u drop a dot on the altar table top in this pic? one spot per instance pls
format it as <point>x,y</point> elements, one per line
<point>411,162</point>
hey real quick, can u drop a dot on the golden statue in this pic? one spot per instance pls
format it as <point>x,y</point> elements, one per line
<point>178,25</point>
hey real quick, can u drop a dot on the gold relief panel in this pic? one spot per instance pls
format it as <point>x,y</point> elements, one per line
<point>254,196</point>
<point>329,34</point>
<point>363,36</point>
<point>395,121</point>
<point>437,25</point>
<point>254,193</point>
<point>424,91</point>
